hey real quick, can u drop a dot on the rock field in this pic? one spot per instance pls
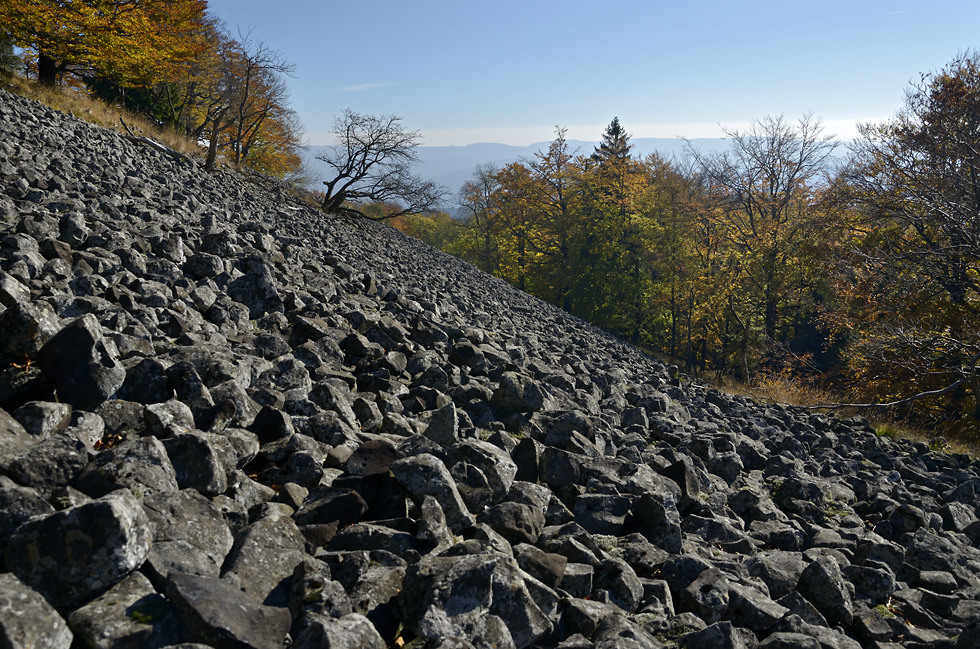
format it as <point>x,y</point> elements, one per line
<point>229,420</point>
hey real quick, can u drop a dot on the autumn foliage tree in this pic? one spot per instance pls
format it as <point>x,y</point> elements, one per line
<point>131,42</point>
<point>762,205</point>
<point>712,262</point>
<point>910,276</point>
<point>168,60</point>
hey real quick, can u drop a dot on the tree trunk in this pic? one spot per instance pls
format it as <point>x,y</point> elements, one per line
<point>47,70</point>
<point>213,145</point>
<point>521,262</point>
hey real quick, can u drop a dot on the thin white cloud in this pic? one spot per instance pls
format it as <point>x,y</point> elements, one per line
<point>366,86</point>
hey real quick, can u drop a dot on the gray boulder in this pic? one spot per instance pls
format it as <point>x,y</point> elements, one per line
<point>425,475</point>
<point>27,620</point>
<point>214,612</point>
<point>264,557</point>
<point>82,364</point>
<point>26,327</point>
<point>822,584</point>
<point>14,440</point>
<point>189,534</point>
<point>353,630</point>
<point>43,418</point>
<point>71,555</point>
<point>139,464</point>
<point>196,463</point>
<point>130,615</point>
<point>451,596</point>
<point>518,393</point>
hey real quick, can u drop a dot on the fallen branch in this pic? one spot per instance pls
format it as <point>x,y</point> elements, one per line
<point>890,404</point>
<point>156,146</point>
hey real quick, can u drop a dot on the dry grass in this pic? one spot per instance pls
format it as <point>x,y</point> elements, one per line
<point>96,112</point>
<point>779,389</point>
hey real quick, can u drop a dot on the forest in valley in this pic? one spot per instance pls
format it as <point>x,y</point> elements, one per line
<point>855,267</point>
<point>787,255</point>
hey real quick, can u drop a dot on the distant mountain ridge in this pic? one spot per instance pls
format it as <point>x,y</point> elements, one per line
<point>451,166</point>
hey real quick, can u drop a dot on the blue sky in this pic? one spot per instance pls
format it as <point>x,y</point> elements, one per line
<point>507,71</point>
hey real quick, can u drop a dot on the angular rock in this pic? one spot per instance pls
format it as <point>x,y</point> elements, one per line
<point>449,597</point>
<point>822,584</point>
<point>515,522</point>
<point>353,630</point>
<point>53,463</point>
<point>14,440</point>
<point>146,382</point>
<point>73,554</point>
<point>196,463</point>
<point>18,504</point>
<point>216,613</point>
<point>263,559</point>
<point>708,596</point>
<point>43,418</point>
<point>752,609</point>
<point>720,635</point>
<point>547,567</point>
<point>619,580</point>
<point>257,289</point>
<point>443,428</point>
<point>779,570</point>
<point>190,534</point>
<point>26,327</point>
<point>601,513</point>
<point>425,475</point>
<point>166,418</point>
<point>130,615</point>
<point>27,620</point>
<point>517,393</point>
<point>373,457</point>
<point>141,465</point>
<point>82,364</point>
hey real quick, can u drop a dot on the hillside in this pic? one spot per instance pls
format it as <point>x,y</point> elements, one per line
<point>234,421</point>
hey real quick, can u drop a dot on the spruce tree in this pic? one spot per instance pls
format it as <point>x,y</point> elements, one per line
<point>615,145</point>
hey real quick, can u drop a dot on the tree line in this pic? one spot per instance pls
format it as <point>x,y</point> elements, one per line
<point>786,253</point>
<point>168,60</point>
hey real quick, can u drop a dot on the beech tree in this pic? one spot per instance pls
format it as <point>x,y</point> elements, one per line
<point>555,174</point>
<point>128,41</point>
<point>372,163</point>
<point>762,202</point>
<point>910,276</point>
<point>478,197</point>
<point>257,91</point>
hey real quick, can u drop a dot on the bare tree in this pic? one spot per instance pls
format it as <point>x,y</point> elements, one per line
<point>249,88</point>
<point>259,91</point>
<point>372,162</point>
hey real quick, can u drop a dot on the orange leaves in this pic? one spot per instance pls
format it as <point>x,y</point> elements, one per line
<point>133,42</point>
<point>187,69</point>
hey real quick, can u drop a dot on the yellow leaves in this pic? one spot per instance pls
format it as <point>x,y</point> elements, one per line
<point>134,42</point>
